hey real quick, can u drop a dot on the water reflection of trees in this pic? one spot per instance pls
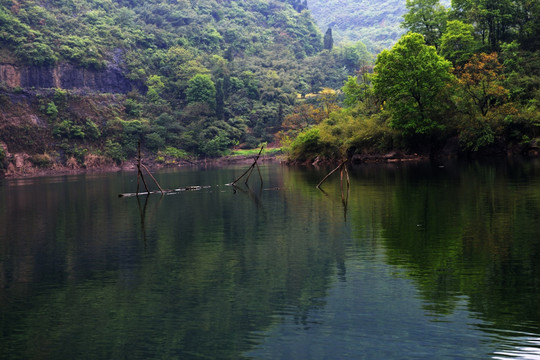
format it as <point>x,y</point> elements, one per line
<point>471,231</point>
<point>181,276</point>
<point>216,268</point>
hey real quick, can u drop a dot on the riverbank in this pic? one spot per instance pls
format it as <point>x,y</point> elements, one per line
<point>22,165</point>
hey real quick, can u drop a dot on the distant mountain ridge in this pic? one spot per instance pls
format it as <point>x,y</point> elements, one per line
<point>375,23</point>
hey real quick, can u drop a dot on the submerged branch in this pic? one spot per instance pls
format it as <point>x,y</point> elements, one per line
<point>166,192</point>
<point>330,173</point>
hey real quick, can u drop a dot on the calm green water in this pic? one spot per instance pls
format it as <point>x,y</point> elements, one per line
<point>423,262</point>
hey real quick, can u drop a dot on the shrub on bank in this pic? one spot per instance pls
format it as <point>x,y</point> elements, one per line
<point>343,134</point>
<point>3,160</point>
<point>41,160</point>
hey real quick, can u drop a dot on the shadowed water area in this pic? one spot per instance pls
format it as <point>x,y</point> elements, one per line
<point>422,262</point>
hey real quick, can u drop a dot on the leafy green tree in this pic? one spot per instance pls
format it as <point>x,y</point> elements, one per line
<point>357,88</point>
<point>155,88</point>
<point>528,18</point>
<point>214,141</point>
<point>132,107</point>
<point>210,39</point>
<point>92,130</point>
<point>328,41</point>
<point>426,17</point>
<point>201,89</point>
<point>328,100</point>
<point>14,29</point>
<point>154,141</point>
<point>457,43</point>
<point>303,116</point>
<point>355,56</point>
<point>250,84</point>
<point>182,64</point>
<point>353,91</point>
<point>3,160</point>
<point>52,110</point>
<point>220,101</point>
<point>37,53</point>
<point>114,151</point>
<point>409,77</point>
<point>494,20</point>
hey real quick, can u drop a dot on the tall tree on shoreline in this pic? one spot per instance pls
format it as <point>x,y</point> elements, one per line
<point>409,77</point>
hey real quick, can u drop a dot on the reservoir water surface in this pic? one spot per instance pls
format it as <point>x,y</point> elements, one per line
<point>414,261</point>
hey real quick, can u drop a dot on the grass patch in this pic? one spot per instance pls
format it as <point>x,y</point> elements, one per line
<point>254,152</point>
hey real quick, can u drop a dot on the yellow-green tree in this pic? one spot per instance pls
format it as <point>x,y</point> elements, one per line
<point>481,78</point>
<point>480,92</point>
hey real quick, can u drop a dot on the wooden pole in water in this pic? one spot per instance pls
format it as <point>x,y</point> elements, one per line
<point>340,166</point>
<point>250,169</point>
<point>153,178</point>
<point>139,171</point>
<point>345,198</point>
<point>249,174</point>
<point>341,179</point>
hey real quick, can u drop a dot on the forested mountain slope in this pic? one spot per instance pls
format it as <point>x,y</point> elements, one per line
<point>189,77</point>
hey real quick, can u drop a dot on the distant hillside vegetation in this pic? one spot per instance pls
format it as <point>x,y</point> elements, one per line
<point>377,23</point>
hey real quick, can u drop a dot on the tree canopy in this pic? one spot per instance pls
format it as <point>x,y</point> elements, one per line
<point>409,78</point>
<point>426,17</point>
<point>201,89</point>
<point>457,42</point>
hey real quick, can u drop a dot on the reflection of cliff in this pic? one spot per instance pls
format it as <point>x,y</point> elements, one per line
<point>65,76</point>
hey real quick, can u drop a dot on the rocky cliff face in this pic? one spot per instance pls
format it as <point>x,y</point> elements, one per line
<point>66,76</point>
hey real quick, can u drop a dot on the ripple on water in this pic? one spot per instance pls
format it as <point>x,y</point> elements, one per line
<point>522,347</point>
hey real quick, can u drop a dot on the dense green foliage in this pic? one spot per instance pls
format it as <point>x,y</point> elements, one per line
<point>2,158</point>
<point>466,79</point>
<point>457,43</point>
<point>328,39</point>
<point>207,75</point>
<point>410,78</point>
<point>426,17</point>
